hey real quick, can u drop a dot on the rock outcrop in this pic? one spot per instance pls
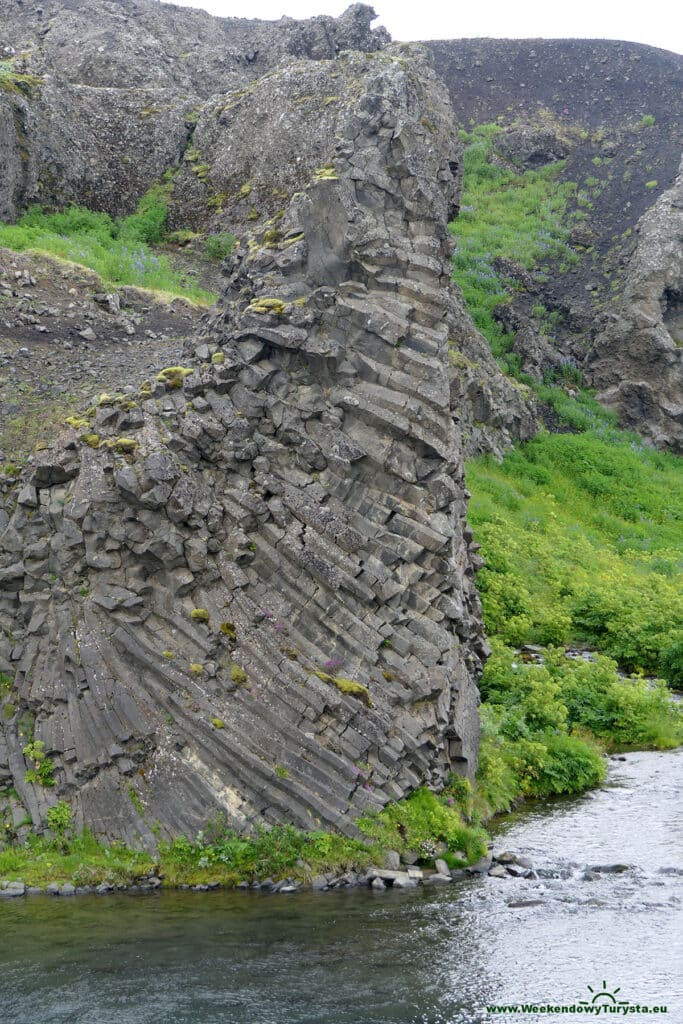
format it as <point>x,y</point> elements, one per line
<point>114,89</point>
<point>637,361</point>
<point>250,586</point>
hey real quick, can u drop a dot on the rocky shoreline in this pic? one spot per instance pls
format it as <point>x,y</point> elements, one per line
<point>395,875</point>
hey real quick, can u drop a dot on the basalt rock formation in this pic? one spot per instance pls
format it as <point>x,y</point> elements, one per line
<point>249,586</point>
<point>637,361</point>
<point>115,87</point>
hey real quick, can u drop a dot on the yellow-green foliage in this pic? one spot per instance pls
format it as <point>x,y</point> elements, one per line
<point>517,215</point>
<point>92,440</point>
<point>200,615</point>
<point>17,81</point>
<point>218,358</point>
<point>229,629</point>
<point>173,376</point>
<point>77,422</point>
<point>544,725</point>
<point>217,201</point>
<point>267,305</point>
<point>326,173</point>
<point>122,445</point>
<point>347,686</point>
<point>196,669</point>
<point>218,723</point>
<point>82,860</point>
<point>169,655</point>
<point>237,674</point>
<point>582,539</point>
<point>421,822</point>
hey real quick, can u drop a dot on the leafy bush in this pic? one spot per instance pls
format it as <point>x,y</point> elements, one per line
<point>42,772</point>
<point>671,663</point>
<point>544,725</point>
<point>219,247</point>
<point>581,536</point>
<point>421,821</point>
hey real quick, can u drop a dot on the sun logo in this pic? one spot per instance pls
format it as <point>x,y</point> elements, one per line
<point>604,996</point>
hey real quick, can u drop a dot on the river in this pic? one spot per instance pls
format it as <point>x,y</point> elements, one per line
<point>426,956</point>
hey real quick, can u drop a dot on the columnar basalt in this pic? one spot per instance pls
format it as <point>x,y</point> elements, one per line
<point>249,587</point>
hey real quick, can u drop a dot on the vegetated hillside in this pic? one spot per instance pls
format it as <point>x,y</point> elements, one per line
<point>580,529</point>
<point>607,116</point>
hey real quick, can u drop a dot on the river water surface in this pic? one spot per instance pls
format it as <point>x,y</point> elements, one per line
<point>427,956</point>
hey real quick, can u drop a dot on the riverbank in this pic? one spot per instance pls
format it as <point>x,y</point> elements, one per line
<point>400,876</point>
<point>547,721</point>
<point>429,954</point>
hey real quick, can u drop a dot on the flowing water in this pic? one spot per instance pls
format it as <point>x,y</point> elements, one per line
<point>427,956</point>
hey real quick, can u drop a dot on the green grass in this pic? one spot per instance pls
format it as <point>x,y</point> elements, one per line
<point>82,860</point>
<point>12,81</point>
<point>218,854</point>
<point>504,213</point>
<point>119,250</point>
<point>583,542</point>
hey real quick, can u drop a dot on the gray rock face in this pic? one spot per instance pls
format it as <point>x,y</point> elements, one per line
<point>251,589</point>
<point>119,87</point>
<point>637,361</point>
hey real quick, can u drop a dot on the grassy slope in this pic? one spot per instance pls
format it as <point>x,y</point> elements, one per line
<point>581,535</point>
<point>504,213</point>
<point>120,251</point>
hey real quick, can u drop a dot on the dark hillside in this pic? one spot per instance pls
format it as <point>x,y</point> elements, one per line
<point>608,115</point>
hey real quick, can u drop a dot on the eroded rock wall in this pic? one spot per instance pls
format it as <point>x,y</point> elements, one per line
<point>117,87</point>
<point>637,361</point>
<point>250,586</point>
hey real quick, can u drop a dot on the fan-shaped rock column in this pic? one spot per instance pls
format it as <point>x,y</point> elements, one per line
<point>251,587</point>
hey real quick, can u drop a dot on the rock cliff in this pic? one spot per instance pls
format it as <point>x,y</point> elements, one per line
<point>637,361</point>
<point>248,585</point>
<point>112,90</point>
<point>611,111</point>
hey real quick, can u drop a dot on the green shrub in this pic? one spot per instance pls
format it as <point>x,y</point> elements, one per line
<point>671,663</point>
<point>544,725</point>
<point>59,818</point>
<point>219,247</point>
<point>421,822</point>
<point>581,536</point>
<point>42,772</point>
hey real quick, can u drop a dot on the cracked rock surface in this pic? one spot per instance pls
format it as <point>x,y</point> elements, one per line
<point>250,587</point>
<point>637,361</point>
